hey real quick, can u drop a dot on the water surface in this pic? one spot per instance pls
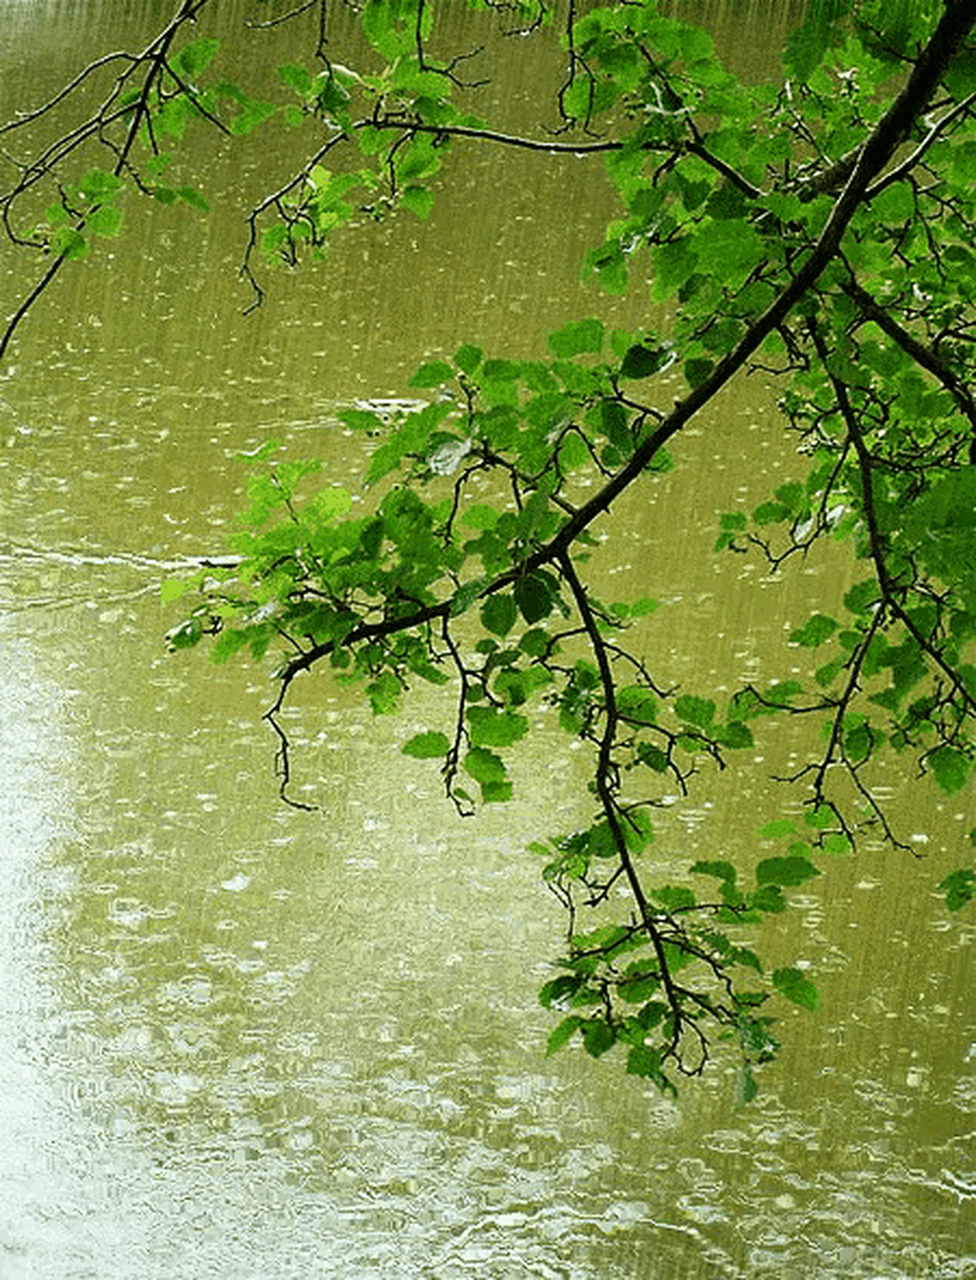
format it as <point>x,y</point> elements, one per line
<point>241,1040</point>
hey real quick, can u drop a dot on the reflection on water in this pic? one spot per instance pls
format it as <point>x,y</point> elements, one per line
<point>240,1041</point>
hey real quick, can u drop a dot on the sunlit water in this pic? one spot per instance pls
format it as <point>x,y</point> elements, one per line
<point>242,1041</point>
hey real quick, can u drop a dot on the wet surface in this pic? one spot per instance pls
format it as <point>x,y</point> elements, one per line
<point>239,1040</point>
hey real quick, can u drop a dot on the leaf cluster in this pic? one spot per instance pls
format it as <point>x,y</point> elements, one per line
<point>817,230</point>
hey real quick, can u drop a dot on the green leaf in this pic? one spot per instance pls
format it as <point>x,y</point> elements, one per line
<point>770,513</point>
<point>70,244</point>
<point>498,614</point>
<point>636,990</point>
<point>491,728</point>
<point>836,844</point>
<point>674,263</point>
<point>384,695</point>
<point>828,673</point>
<point>563,1033</point>
<point>496,792</point>
<point>814,631</point>
<point>646,1062</point>
<point>820,817</point>
<point>501,370</point>
<point>230,640</point>
<point>746,1087</point>
<point>196,56</point>
<point>792,984</point>
<point>641,361</point>
<point>637,609</point>
<point>773,830</point>
<point>251,117</point>
<point>768,898</point>
<point>296,77</point>
<point>426,746</point>
<point>807,45</point>
<point>862,596</point>
<point>566,984</point>
<point>535,596</point>
<point>576,338</point>
<point>104,222</point>
<point>637,703</point>
<point>951,768</point>
<point>785,871</point>
<point>194,198</point>
<point>465,596</point>
<point>468,358</point>
<point>674,897</point>
<point>959,888</point>
<point>480,516</point>
<point>896,203</point>
<point>697,370</point>
<point>697,711</point>
<point>736,735</point>
<point>721,870</point>
<point>432,374</point>
<point>172,589</point>
<point>484,766</point>
<point>598,1037</point>
<point>727,202</point>
<point>97,185</point>
<point>418,200</point>
<point>326,505</point>
<point>186,634</point>
<point>653,757</point>
<point>536,644</point>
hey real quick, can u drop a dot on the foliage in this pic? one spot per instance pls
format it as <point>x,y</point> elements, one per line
<point>821,229</point>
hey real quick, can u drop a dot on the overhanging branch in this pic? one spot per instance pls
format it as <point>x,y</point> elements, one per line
<point>958,20</point>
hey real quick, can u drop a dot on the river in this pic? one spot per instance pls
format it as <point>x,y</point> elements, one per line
<point>239,1040</point>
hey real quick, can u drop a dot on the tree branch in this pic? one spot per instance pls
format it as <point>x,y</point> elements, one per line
<point>605,789</point>
<point>919,352</point>
<point>908,164</point>
<point>155,55</point>
<point>957,21</point>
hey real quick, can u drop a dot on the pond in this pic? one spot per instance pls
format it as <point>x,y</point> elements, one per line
<point>240,1040</point>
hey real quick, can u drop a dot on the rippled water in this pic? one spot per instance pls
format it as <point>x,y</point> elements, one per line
<point>241,1041</point>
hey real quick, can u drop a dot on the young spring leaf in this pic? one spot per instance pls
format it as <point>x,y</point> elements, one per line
<point>696,711</point>
<point>384,695</point>
<point>959,888</point>
<point>785,871</point>
<point>792,984</point>
<point>746,1087</point>
<point>498,614</point>
<point>576,338</point>
<point>563,1033</point>
<point>814,631</point>
<point>534,595</point>
<point>721,870</point>
<point>196,56</point>
<point>484,766</point>
<point>598,1037</point>
<point>432,373</point>
<point>641,361</point>
<point>420,202</point>
<point>779,827</point>
<point>426,746</point>
<point>951,768</point>
<point>491,728</point>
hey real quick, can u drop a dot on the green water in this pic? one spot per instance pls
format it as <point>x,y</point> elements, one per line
<point>242,1041</point>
